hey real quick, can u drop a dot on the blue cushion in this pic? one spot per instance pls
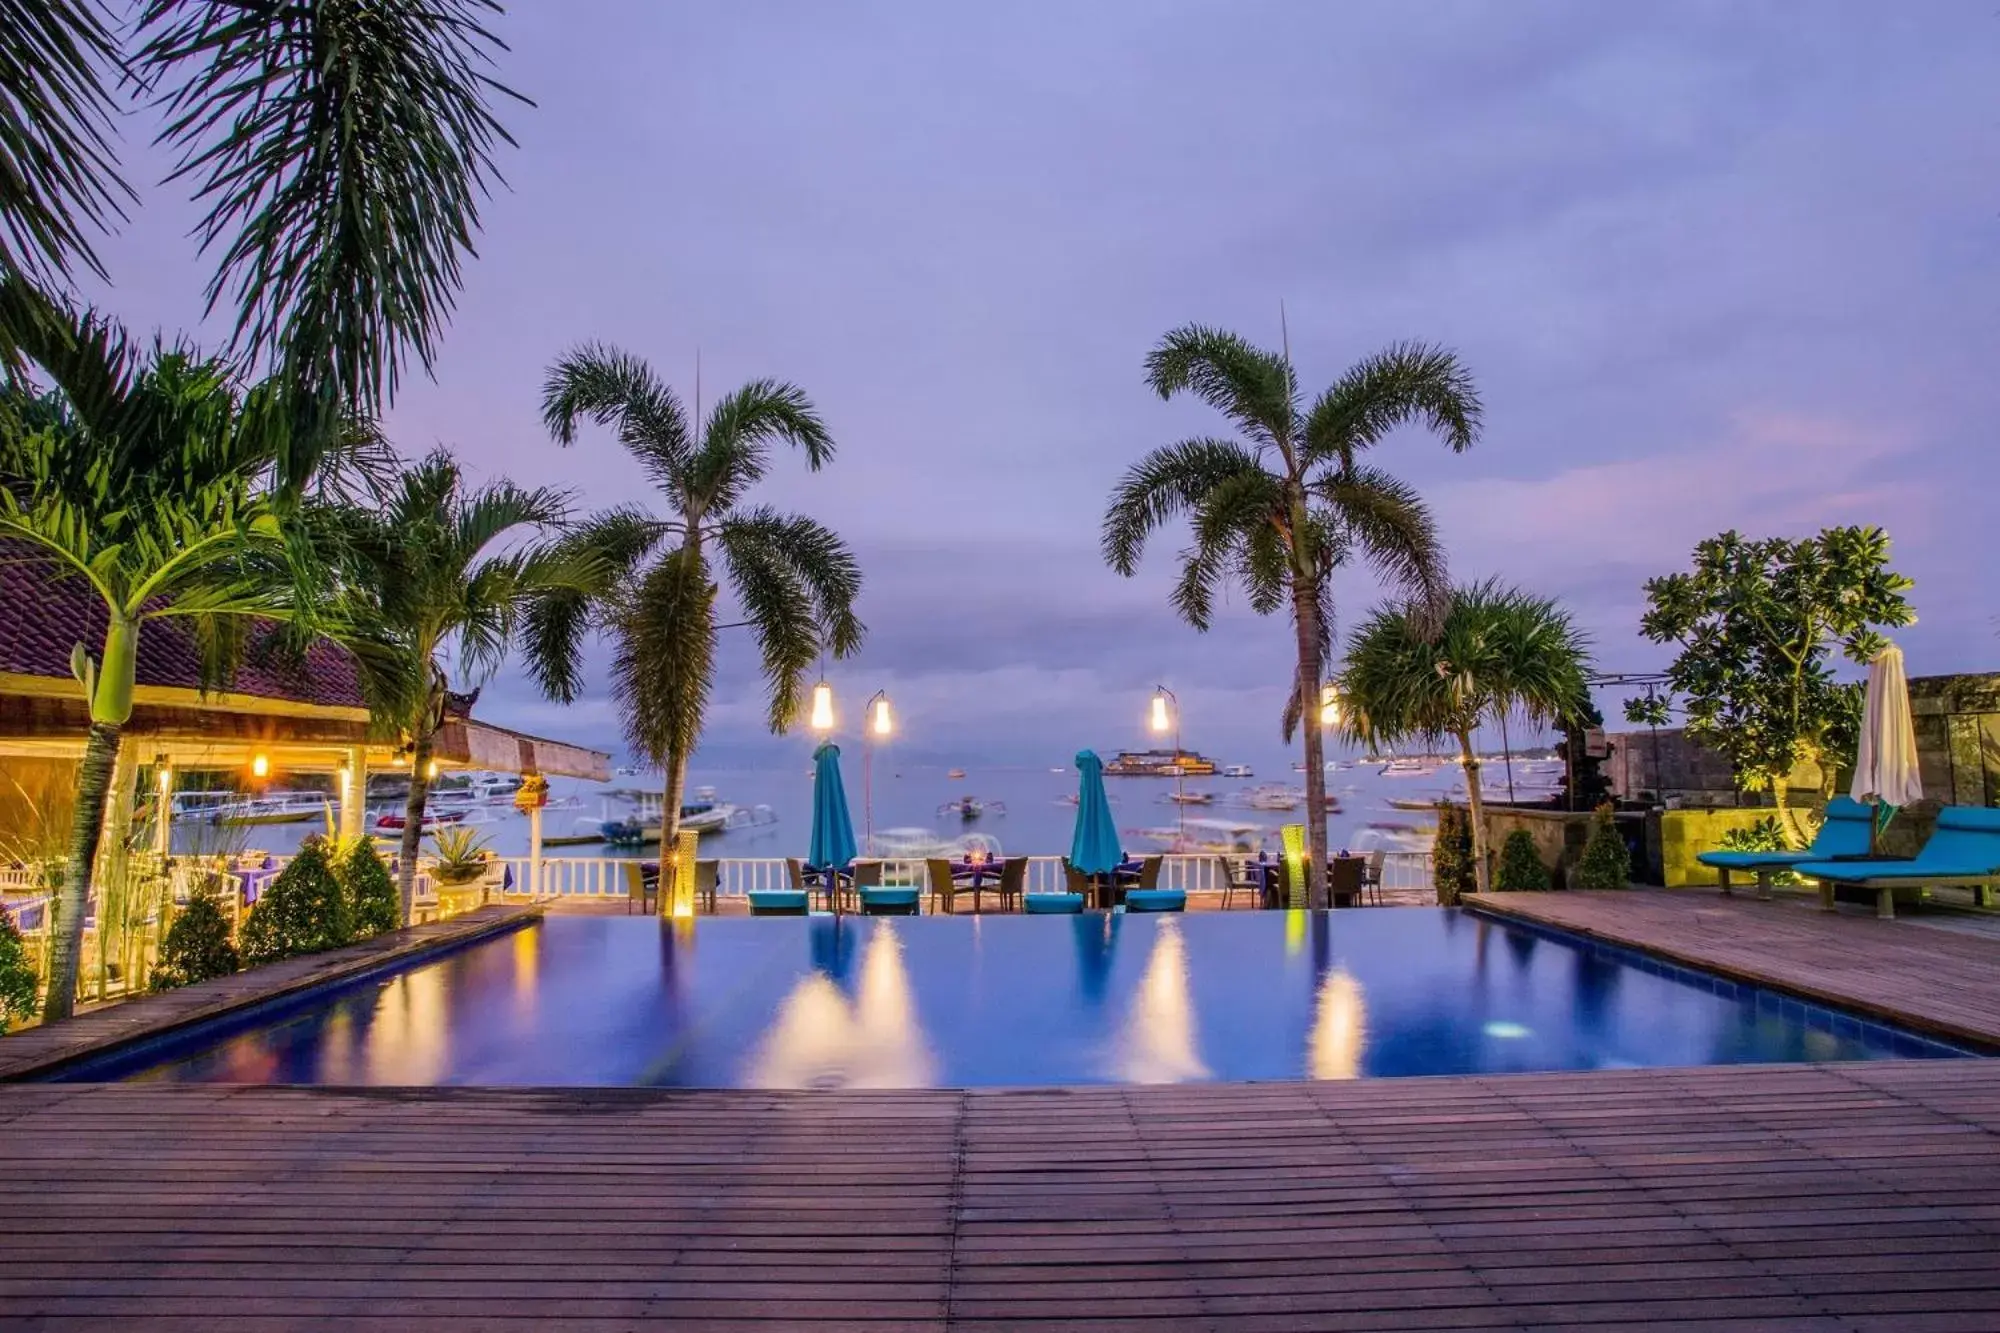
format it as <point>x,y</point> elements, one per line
<point>889,897</point>
<point>1844,832</point>
<point>788,901</point>
<point>1758,860</point>
<point>1155,900</point>
<point>1039,903</point>
<point>1965,845</point>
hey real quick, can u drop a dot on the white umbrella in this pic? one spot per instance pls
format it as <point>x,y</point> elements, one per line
<point>1885,770</point>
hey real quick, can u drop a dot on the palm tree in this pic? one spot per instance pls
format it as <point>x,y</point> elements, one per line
<point>1498,649</point>
<point>429,581</point>
<point>1278,510</point>
<point>341,150</point>
<point>795,580</point>
<point>144,476</point>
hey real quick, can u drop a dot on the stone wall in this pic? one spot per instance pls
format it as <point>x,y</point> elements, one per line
<point>1957,720</point>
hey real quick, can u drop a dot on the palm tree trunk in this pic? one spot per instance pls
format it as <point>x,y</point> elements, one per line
<point>670,822</point>
<point>413,824</point>
<point>86,830</point>
<point>1477,806</point>
<point>1305,618</point>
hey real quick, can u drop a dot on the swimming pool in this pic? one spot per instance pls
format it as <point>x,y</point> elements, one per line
<point>1010,1000</point>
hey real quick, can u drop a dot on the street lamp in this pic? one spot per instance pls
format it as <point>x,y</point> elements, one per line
<point>881,725</point>
<point>822,708</point>
<point>1167,717</point>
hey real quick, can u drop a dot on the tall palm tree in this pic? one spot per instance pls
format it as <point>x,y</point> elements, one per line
<point>444,574</point>
<point>1279,509</point>
<point>144,476</point>
<point>794,580</point>
<point>1407,678</point>
<point>340,147</point>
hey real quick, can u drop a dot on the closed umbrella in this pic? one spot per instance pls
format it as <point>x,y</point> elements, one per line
<point>1094,848</point>
<point>1885,770</point>
<point>832,848</point>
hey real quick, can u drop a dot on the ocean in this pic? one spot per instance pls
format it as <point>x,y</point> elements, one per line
<point>901,805</point>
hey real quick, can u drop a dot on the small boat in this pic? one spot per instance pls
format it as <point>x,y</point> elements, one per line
<point>969,808</point>
<point>956,773</point>
<point>1413,802</point>
<point>1191,797</point>
<point>1237,771</point>
<point>277,808</point>
<point>391,821</point>
<point>1408,768</point>
<point>1274,797</point>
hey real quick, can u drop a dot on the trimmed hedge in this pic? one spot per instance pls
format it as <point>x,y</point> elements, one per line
<point>197,946</point>
<point>1606,861</point>
<point>1521,868</point>
<point>303,910</point>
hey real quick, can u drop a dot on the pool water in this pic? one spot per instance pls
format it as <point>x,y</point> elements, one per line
<point>1011,1000</point>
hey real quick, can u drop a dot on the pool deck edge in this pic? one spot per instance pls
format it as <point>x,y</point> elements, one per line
<point>1855,963</point>
<point>37,1052</point>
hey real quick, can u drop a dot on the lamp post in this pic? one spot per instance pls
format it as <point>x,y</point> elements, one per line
<point>1167,717</point>
<point>881,723</point>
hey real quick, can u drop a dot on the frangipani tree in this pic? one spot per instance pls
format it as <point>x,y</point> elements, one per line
<point>794,579</point>
<point>1757,623</point>
<point>1497,649</point>
<point>1278,509</point>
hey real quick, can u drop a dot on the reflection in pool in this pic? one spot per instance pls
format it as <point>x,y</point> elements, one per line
<point>1009,1000</point>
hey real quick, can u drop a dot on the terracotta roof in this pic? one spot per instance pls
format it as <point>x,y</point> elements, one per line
<point>42,617</point>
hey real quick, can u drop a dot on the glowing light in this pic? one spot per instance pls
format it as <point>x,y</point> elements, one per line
<point>346,776</point>
<point>1329,706</point>
<point>166,779</point>
<point>1162,720</point>
<point>1506,1031</point>
<point>879,720</point>
<point>260,766</point>
<point>822,707</point>
<point>431,769</point>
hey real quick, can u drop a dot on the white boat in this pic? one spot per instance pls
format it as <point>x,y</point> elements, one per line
<point>969,808</point>
<point>1237,771</point>
<point>275,808</point>
<point>1191,797</point>
<point>395,821</point>
<point>1408,768</point>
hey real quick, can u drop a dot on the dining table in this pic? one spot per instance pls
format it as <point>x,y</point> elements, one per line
<point>978,872</point>
<point>1343,880</point>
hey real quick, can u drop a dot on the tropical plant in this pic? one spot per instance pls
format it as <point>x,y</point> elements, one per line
<point>1498,649</point>
<point>341,149</point>
<point>142,476</point>
<point>1756,622</point>
<point>374,902</point>
<point>302,910</point>
<point>462,855</point>
<point>1521,868</point>
<point>1606,862</point>
<point>197,946</point>
<point>19,1000</point>
<point>1766,835</point>
<point>1279,509</point>
<point>444,574</point>
<point>793,578</point>
<point>1451,856</point>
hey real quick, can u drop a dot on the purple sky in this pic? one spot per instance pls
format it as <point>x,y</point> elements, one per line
<point>1712,264</point>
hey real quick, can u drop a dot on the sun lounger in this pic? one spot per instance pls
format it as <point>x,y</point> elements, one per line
<point>1964,850</point>
<point>1845,833</point>
<point>777,902</point>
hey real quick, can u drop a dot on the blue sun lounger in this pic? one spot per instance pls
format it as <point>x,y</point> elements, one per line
<point>1845,833</point>
<point>1964,850</point>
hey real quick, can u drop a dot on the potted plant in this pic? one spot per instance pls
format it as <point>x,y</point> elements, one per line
<point>459,869</point>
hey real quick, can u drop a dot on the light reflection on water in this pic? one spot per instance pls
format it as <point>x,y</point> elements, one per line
<point>1003,1000</point>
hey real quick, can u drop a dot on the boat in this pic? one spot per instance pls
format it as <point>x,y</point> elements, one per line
<point>956,773</point>
<point>1191,797</point>
<point>276,808</point>
<point>1237,771</point>
<point>1408,768</point>
<point>1414,802</point>
<point>1223,837</point>
<point>969,808</point>
<point>1159,764</point>
<point>1274,796</point>
<point>395,821</point>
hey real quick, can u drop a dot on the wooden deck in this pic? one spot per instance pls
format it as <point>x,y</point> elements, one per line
<point>37,1050</point>
<point>1854,1197</point>
<point>1915,975</point>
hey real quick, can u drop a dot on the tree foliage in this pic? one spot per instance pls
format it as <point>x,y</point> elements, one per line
<point>1757,623</point>
<point>1451,855</point>
<point>1277,509</point>
<point>19,1000</point>
<point>197,945</point>
<point>302,910</point>
<point>793,579</point>
<point>1606,862</point>
<point>373,902</point>
<point>1521,869</point>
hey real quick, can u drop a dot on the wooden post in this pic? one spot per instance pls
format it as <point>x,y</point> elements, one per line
<point>535,853</point>
<point>354,799</point>
<point>163,809</point>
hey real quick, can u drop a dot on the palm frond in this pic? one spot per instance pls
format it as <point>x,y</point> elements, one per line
<point>797,583</point>
<point>610,546</point>
<point>1407,382</point>
<point>599,383</point>
<point>1160,487</point>
<point>58,174</point>
<point>736,441</point>
<point>1229,513</point>
<point>1253,388</point>
<point>342,149</point>
<point>663,656</point>
<point>1388,522</point>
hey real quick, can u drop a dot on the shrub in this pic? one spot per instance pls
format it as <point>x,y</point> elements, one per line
<point>1606,862</point>
<point>197,946</point>
<point>1521,868</point>
<point>1451,856</point>
<point>1766,835</point>
<point>373,901</point>
<point>19,991</point>
<point>302,911</point>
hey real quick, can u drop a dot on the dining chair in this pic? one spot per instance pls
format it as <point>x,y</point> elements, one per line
<point>1013,882</point>
<point>1238,877</point>
<point>938,871</point>
<point>1371,874</point>
<point>1149,871</point>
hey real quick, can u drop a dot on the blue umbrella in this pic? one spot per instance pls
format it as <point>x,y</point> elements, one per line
<point>1094,848</point>
<point>833,832</point>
